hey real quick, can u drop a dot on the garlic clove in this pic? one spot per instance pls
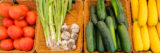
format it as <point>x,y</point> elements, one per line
<point>74,36</point>
<point>65,35</point>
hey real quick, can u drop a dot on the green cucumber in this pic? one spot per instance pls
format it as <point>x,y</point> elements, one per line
<point>124,38</point>
<point>111,13</point>
<point>94,37</point>
<point>100,46</point>
<point>89,33</point>
<point>93,15</point>
<point>118,42</point>
<point>101,11</point>
<point>110,25</point>
<point>106,36</point>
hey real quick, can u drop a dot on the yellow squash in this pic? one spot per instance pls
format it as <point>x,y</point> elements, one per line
<point>158,7</point>
<point>158,29</point>
<point>152,14</point>
<point>155,42</point>
<point>134,5</point>
<point>143,12</point>
<point>138,45</point>
<point>145,38</point>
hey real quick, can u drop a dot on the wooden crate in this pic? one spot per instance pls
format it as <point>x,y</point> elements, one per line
<point>77,10</point>
<point>31,4</point>
<point>88,3</point>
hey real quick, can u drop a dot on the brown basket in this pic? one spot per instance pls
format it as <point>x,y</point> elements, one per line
<point>77,10</point>
<point>88,3</point>
<point>31,5</point>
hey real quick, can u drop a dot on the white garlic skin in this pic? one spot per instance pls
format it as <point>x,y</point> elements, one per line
<point>73,47</point>
<point>66,48</point>
<point>74,28</point>
<point>65,35</point>
<point>71,42</point>
<point>74,36</point>
<point>64,43</point>
<point>64,27</point>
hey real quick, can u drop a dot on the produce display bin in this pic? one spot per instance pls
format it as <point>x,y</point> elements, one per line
<point>31,4</point>
<point>126,6</point>
<point>77,17</point>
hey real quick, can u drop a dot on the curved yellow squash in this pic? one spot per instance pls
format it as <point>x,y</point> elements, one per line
<point>143,12</point>
<point>134,6</point>
<point>158,7</point>
<point>145,38</point>
<point>152,14</point>
<point>158,29</point>
<point>137,41</point>
<point>155,42</point>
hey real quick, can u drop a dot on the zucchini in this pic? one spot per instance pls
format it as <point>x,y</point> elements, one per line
<point>110,25</point>
<point>100,46</point>
<point>89,33</point>
<point>101,11</point>
<point>111,13</point>
<point>124,38</point>
<point>93,15</point>
<point>119,12</point>
<point>106,36</point>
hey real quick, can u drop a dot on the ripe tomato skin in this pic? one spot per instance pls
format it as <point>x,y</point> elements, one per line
<point>24,7</point>
<point>29,31</point>
<point>7,22</point>
<point>20,23</point>
<point>26,43</point>
<point>4,9</point>
<point>16,44</point>
<point>7,44</point>
<point>3,33</point>
<point>31,17</point>
<point>17,13</point>
<point>15,32</point>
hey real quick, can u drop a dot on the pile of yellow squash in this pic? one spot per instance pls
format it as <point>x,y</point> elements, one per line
<point>146,25</point>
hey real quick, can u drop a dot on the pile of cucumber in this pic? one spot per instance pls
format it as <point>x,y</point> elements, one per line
<point>107,30</point>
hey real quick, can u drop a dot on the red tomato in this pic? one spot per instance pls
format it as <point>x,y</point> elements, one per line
<point>29,31</point>
<point>20,23</point>
<point>16,44</point>
<point>17,13</point>
<point>31,17</point>
<point>7,22</point>
<point>3,33</point>
<point>26,43</point>
<point>7,44</point>
<point>15,32</point>
<point>24,7</point>
<point>4,9</point>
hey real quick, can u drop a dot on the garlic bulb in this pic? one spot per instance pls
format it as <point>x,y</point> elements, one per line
<point>65,35</point>
<point>74,36</point>
<point>64,27</point>
<point>64,43</point>
<point>74,28</point>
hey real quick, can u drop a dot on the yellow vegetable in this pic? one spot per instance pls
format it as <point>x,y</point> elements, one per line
<point>145,38</point>
<point>158,29</point>
<point>152,14</point>
<point>143,12</point>
<point>137,41</point>
<point>134,5</point>
<point>155,42</point>
<point>158,7</point>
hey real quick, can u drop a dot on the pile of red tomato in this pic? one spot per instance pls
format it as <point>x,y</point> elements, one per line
<point>16,31</point>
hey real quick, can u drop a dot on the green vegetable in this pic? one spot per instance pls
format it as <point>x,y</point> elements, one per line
<point>93,15</point>
<point>52,14</point>
<point>124,38</point>
<point>118,42</point>
<point>106,36</point>
<point>110,24</point>
<point>89,33</point>
<point>100,46</point>
<point>101,11</point>
<point>111,13</point>
<point>119,12</point>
